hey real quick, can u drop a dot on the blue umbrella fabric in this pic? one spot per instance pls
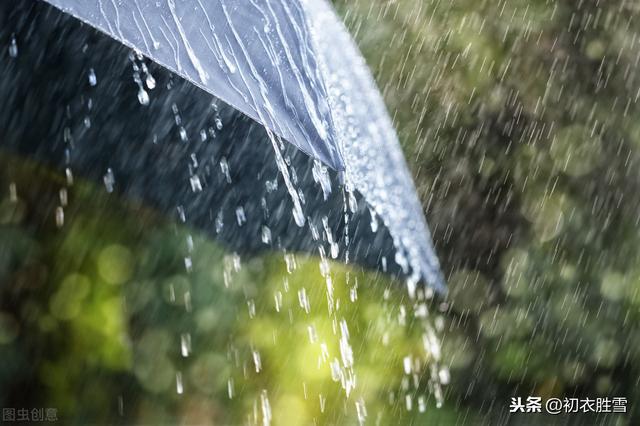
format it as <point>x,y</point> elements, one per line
<point>290,66</point>
<point>369,144</point>
<point>254,55</point>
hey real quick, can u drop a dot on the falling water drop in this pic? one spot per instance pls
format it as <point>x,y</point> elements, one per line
<point>109,180</point>
<point>266,408</point>
<point>69,175</point>
<point>150,82</point>
<point>407,364</point>
<point>143,97</point>
<point>64,197</point>
<point>179,385</point>
<point>257,360</point>
<point>13,47</point>
<point>422,404</point>
<point>59,217</point>
<point>93,80</point>
<point>13,192</point>
<point>187,298</point>
<point>361,411</point>
<point>185,344</point>
<point>290,261</point>
<point>241,218</point>
<point>219,222</point>
<point>183,134</point>
<point>196,184</point>
<point>224,167</point>
<point>266,235</point>
<point>230,388</point>
<point>182,215</point>
<point>298,215</point>
<point>321,176</point>
<point>374,221</point>
<point>444,376</point>
<point>313,334</point>
<point>278,300</point>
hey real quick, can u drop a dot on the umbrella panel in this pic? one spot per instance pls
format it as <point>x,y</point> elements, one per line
<point>72,102</point>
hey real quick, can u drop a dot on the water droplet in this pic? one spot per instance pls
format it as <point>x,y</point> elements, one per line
<point>187,300</point>
<point>353,294</point>
<point>422,404</point>
<point>230,388</point>
<point>240,216</point>
<point>93,80</point>
<point>266,408</point>
<point>183,134</point>
<point>271,185</point>
<point>304,300</point>
<point>13,47</point>
<point>321,176</point>
<point>256,360</point>
<point>150,82</point>
<point>444,376</point>
<point>313,335</point>
<point>64,199</point>
<point>196,185</point>
<point>335,250</point>
<point>361,411</point>
<point>353,203</point>
<point>179,386</point>
<point>224,167</point>
<point>181,214</point>
<point>143,97</point>
<point>188,264</point>
<point>374,221</point>
<point>109,180</point>
<point>298,215</point>
<point>290,261</point>
<point>185,344</point>
<point>278,300</point>
<point>336,371</point>
<point>69,175</point>
<point>266,235</point>
<point>406,362</point>
<point>251,306</point>
<point>190,243</point>
<point>219,222</point>
<point>13,192</point>
<point>59,217</point>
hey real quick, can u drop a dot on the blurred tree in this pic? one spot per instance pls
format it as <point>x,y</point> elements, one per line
<point>519,120</point>
<point>103,319</point>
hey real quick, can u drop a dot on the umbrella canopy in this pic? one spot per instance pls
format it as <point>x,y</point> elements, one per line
<point>277,70</point>
<point>369,144</point>
<point>253,55</point>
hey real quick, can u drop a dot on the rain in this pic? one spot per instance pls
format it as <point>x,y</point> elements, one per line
<point>319,212</point>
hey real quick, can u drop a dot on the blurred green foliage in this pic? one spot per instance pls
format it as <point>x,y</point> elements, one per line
<point>101,319</point>
<point>519,120</point>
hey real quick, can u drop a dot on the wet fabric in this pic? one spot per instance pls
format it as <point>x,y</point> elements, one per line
<point>254,55</point>
<point>81,100</point>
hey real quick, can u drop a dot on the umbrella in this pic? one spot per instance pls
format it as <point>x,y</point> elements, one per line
<point>193,121</point>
